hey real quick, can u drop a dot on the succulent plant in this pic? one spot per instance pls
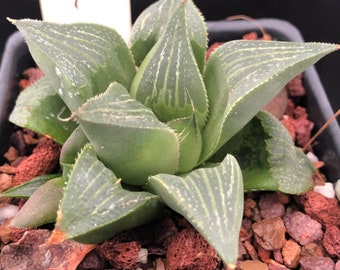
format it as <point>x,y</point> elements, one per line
<point>154,123</point>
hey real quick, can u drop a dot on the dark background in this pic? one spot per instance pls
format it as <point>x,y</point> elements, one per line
<point>317,20</point>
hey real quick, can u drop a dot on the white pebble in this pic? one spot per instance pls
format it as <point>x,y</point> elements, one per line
<point>337,189</point>
<point>312,157</point>
<point>142,256</point>
<point>7,212</point>
<point>326,190</point>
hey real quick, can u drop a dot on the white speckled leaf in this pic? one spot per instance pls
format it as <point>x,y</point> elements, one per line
<point>80,60</point>
<point>169,80</point>
<point>95,206</point>
<point>211,199</point>
<point>37,108</point>
<point>243,76</point>
<point>151,22</point>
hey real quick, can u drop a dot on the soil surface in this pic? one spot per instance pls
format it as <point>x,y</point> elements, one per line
<point>278,231</point>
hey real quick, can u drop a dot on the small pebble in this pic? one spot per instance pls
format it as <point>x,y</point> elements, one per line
<point>7,212</point>
<point>142,256</point>
<point>319,263</point>
<point>326,190</point>
<point>312,157</point>
<point>311,231</point>
<point>253,265</point>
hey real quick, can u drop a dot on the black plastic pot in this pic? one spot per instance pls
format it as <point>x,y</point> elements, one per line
<point>17,58</point>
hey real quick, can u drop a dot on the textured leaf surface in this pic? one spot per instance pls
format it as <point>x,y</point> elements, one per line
<point>95,206</point>
<point>37,108</point>
<point>27,189</point>
<point>169,80</point>
<point>190,142</point>
<point>211,199</point>
<point>268,158</point>
<point>151,23</point>
<point>79,60</point>
<point>128,137</point>
<point>255,71</point>
<point>42,206</point>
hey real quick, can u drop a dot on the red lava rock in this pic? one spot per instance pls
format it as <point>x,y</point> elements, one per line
<point>278,256</point>
<point>30,252</point>
<point>159,264</point>
<point>337,265</point>
<point>25,254</point>
<point>300,113</point>
<point>287,121</point>
<point>241,251</point>
<point>9,234</point>
<point>282,198</point>
<point>92,261</point>
<point>245,234</point>
<point>319,179</point>
<point>254,36</point>
<point>302,228</point>
<point>316,263</point>
<point>121,255</point>
<point>252,265</point>
<point>189,250</point>
<point>313,249</point>
<point>270,207</point>
<point>273,265</point>
<point>212,48</point>
<point>43,160</point>
<point>264,254</point>
<point>5,181</point>
<point>303,129</point>
<point>324,210</point>
<point>249,205</point>
<point>6,168</point>
<point>331,241</point>
<point>166,229</point>
<point>250,250</point>
<point>12,154</point>
<point>295,87</point>
<point>270,233</point>
<point>297,123</point>
<point>291,253</point>
<point>290,108</point>
<point>31,75</point>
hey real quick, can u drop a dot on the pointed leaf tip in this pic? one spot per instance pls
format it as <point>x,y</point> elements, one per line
<point>13,21</point>
<point>211,199</point>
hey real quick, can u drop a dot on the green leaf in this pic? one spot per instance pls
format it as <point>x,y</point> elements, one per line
<point>150,24</point>
<point>27,189</point>
<point>80,60</point>
<point>37,108</point>
<point>255,72</point>
<point>127,136</point>
<point>95,206</point>
<point>268,158</point>
<point>169,80</point>
<point>190,142</point>
<point>42,206</point>
<point>71,149</point>
<point>211,199</point>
